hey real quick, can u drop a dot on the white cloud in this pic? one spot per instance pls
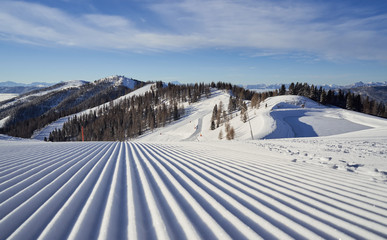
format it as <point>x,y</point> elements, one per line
<point>265,27</point>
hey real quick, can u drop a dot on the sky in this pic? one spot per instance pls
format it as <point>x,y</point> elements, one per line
<point>237,41</point>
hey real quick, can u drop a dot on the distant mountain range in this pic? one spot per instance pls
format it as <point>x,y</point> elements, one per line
<point>374,90</point>
<point>263,86</point>
<point>34,84</point>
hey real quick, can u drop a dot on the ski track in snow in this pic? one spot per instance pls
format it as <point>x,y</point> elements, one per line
<point>134,190</point>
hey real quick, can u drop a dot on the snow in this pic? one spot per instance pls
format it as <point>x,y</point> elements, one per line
<point>4,121</point>
<point>211,190</point>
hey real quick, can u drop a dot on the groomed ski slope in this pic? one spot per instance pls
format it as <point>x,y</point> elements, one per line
<point>185,190</point>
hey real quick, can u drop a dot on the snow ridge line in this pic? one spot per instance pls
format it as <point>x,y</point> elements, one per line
<point>178,191</point>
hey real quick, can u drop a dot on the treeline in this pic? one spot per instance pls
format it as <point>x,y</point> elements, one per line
<point>132,117</point>
<point>339,98</point>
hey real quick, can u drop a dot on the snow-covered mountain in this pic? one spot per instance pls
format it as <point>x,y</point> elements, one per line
<point>41,134</point>
<point>62,98</point>
<point>34,84</point>
<point>367,84</point>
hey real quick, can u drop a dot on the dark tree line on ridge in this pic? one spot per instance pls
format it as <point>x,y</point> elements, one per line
<point>339,98</point>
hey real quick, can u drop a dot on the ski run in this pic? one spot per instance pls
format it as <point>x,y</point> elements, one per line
<point>184,190</point>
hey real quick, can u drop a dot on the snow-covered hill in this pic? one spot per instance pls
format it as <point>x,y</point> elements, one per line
<point>278,117</point>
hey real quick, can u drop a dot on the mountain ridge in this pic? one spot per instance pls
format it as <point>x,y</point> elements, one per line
<point>62,99</point>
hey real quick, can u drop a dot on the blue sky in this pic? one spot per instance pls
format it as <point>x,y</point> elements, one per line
<point>241,41</point>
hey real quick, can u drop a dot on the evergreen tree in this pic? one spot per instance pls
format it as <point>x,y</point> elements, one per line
<point>291,89</point>
<point>323,97</point>
<point>349,102</point>
<point>175,111</point>
<point>282,91</point>
<point>212,125</point>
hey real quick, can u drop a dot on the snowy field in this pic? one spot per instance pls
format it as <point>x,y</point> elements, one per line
<point>212,190</point>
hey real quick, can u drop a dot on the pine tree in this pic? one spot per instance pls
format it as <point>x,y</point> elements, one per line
<point>214,116</point>
<point>175,112</point>
<point>244,112</point>
<point>291,89</point>
<point>323,97</point>
<point>282,91</point>
<point>349,102</point>
<point>254,100</point>
<point>219,114</point>
<point>212,125</point>
<point>230,134</point>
